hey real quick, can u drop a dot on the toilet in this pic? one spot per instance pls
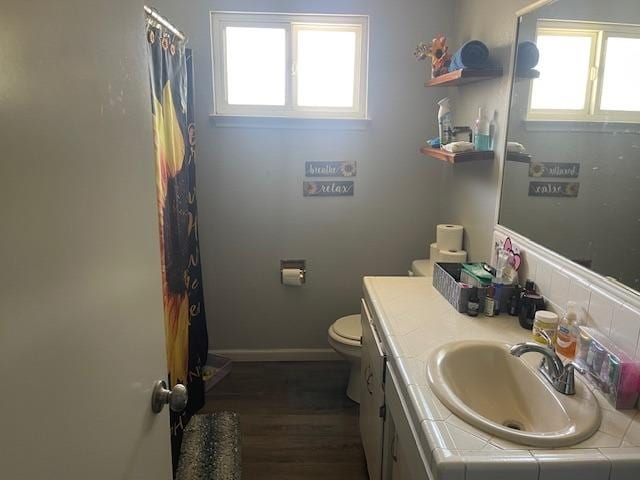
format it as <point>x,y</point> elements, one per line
<point>344,338</point>
<point>421,268</point>
<point>345,333</point>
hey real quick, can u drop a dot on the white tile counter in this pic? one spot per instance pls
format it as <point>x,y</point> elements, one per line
<point>413,319</point>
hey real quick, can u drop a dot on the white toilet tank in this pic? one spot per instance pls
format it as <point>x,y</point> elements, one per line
<point>421,268</point>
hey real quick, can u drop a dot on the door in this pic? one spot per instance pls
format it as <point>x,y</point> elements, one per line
<point>81,321</point>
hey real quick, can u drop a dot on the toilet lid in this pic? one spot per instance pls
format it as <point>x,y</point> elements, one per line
<point>348,327</point>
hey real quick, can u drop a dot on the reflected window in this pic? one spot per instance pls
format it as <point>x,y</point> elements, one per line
<point>565,66</point>
<point>586,73</point>
<point>621,82</point>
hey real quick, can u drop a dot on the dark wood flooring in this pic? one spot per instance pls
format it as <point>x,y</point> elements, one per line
<point>295,418</point>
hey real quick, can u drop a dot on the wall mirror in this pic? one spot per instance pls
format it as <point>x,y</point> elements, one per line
<point>571,177</point>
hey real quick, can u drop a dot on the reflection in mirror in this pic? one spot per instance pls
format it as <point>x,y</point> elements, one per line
<point>572,172</point>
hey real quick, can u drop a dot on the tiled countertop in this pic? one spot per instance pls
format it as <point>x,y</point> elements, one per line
<point>413,319</point>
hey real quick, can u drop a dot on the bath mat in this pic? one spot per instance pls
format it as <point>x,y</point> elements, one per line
<point>211,448</point>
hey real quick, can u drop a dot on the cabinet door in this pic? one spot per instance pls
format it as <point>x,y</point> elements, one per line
<point>399,462</point>
<point>394,458</point>
<point>371,405</point>
<point>404,453</point>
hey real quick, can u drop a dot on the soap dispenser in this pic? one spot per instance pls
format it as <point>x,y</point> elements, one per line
<point>567,337</point>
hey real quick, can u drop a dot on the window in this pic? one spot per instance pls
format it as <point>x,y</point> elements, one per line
<point>289,65</point>
<point>586,72</point>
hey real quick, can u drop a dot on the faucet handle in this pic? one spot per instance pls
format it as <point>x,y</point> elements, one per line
<point>544,363</point>
<point>574,366</point>
<point>566,383</point>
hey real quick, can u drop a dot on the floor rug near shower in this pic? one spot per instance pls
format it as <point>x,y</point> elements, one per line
<point>211,448</point>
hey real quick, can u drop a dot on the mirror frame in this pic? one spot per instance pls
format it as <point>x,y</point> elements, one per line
<point>591,276</point>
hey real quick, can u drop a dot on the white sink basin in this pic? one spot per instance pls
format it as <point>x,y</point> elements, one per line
<point>486,386</point>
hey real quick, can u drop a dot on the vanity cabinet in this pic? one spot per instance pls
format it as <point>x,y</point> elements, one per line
<point>372,407</point>
<point>389,441</point>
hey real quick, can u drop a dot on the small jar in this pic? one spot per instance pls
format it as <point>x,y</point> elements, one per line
<point>473,304</point>
<point>583,347</point>
<point>546,322</point>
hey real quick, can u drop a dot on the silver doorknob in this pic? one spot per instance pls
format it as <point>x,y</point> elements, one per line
<point>176,398</point>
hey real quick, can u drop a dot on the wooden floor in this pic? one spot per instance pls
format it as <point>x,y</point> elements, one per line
<point>296,420</point>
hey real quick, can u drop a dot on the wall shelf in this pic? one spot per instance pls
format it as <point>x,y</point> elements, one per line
<point>518,157</point>
<point>454,158</point>
<point>528,74</point>
<point>461,77</point>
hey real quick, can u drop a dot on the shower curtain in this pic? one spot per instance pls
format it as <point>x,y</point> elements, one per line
<point>171,78</point>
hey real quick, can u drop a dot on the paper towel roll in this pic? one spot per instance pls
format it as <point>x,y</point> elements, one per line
<point>449,237</point>
<point>292,277</point>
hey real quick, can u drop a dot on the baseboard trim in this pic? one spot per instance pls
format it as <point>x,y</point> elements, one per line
<point>280,355</point>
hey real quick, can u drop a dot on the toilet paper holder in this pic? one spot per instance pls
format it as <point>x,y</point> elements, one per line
<point>299,264</point>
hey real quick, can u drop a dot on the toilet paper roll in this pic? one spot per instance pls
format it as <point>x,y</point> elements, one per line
<point>438,255</point>
<point>452,257</point>
<point>433,252</point>
<point>292,277</point>
<point>449,237</point>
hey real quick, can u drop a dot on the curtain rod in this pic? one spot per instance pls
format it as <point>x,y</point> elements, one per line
<point>164,22</point>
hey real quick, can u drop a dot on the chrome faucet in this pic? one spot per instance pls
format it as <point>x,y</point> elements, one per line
<point>561,376</point>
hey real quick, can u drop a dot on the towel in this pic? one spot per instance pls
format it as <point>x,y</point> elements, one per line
<point>473,54</point>
<point>527,57</point>
<point>457,147</point>
<point>515,147</point>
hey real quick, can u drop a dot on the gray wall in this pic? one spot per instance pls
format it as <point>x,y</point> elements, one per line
<point>473,187</point>
<point>249,181</point>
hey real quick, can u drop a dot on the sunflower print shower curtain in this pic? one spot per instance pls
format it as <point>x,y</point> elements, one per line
<point>170,72</point>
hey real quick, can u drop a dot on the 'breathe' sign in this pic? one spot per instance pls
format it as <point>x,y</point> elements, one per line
<point>330,169</point>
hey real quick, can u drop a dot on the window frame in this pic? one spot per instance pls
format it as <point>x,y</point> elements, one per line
<point>291,23</point>
<point>599,33</point>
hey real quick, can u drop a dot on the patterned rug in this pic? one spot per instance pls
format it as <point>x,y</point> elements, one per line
<point>211,448</point>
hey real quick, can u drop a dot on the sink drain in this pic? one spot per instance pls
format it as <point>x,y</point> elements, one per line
<point>513,424</point>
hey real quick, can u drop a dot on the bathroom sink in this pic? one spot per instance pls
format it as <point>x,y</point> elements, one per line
<point>486,386</point>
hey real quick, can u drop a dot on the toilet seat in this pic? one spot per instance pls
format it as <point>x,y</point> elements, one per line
<point>347,330</point>
<point>344,337</point>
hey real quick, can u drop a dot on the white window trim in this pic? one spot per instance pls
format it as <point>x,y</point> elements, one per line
<point>600,32</point>
<point>291,23</point>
